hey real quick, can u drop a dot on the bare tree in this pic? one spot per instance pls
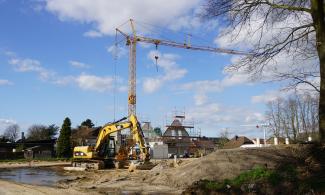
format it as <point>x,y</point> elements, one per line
<point>294,117</point>
<point>283,30</point>
<point>11,132</point>
<point>224,133</point>
<point>42,132</point>
<point>80,135</point>
<point>274,116</point>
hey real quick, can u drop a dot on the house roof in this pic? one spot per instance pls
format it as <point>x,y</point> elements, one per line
<point>204,144</point>
<point>237,141</point>
<point>215,139</point>
<point>147,126</point>
<point>48,141</point>
<point>7,145</point>
<point>176,122</point>
<point>32,148</point>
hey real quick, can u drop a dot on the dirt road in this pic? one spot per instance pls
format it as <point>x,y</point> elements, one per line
<point>11,188</point>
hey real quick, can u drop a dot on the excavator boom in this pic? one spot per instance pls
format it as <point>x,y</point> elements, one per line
<point>109,129</point>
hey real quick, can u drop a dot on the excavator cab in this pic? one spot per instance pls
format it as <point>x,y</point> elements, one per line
<point>108,149</point>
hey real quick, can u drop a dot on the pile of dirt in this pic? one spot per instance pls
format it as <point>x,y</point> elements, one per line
<point>302,172</point>
<point>219,165</point>
<point>166,178</point>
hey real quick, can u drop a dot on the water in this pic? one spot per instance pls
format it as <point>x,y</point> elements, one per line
<point>34,176</point>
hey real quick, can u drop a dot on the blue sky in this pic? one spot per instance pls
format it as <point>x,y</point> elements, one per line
<point>55,62</point>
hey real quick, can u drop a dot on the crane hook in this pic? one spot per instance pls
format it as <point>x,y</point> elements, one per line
<point>156,57</point>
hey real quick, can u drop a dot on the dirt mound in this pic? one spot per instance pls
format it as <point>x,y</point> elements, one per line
<point>219,165</point>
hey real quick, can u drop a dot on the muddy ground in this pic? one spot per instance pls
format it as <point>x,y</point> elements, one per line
<point>162,179</point>
<point>33,164</point>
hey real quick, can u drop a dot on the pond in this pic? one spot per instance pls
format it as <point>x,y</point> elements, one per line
<point>33,176</point>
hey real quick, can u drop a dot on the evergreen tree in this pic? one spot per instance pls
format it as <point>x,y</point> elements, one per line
<point>88,123</point>
<point>64,141</point>
<point>157,130</point>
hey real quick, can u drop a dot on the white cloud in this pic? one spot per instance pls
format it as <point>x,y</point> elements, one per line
<point>233,79</point>
<point>26,65</point>
<point>270,96</point>
<point>202,87</point>
<point>151,85</point>
<point>83,81</point>
<point>106,15</point>
<point>273,95</point>
<point>95,83</point>
<point>212,117</point>
<point>9,53</point>
<point>117,51</point>
<point>4,123</point>
<point>30,65</point>
<point>254,117</point>
<point>64,80</point>
<point>7,121</point>
<point>89,82</point>
<point>78,64</point>
<point>171,71</point>
<point>200,99</point>
<point>5,82</point>
<point>93,34</point>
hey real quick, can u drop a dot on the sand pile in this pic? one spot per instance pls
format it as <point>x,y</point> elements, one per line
<point>219,165</point>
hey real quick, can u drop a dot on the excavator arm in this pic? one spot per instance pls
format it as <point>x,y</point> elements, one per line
<point>136,132</point>
<point>138,137</point>
<point>109,129</point>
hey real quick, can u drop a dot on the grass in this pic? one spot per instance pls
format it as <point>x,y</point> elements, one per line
<point>254,175</point>
<point>258,174</point>
<point>285,173</point>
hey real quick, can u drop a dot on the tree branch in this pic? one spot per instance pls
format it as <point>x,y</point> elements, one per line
<point>286,7</point>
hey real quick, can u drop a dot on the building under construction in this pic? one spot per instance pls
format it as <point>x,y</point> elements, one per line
<point>178,136</point>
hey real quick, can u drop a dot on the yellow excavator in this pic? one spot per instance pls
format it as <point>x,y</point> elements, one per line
<point>104,153</point>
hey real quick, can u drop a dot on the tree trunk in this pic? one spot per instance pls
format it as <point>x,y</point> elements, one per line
<point>322,94</point>
<point>317,9</point>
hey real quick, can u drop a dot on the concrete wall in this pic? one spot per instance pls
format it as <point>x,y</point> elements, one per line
<point>159,151</point>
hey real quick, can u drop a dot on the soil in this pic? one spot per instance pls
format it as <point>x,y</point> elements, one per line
<point>165,178</point>
<point>11,188</point>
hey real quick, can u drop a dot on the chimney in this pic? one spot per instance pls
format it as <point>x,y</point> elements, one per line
<point>22,136</point>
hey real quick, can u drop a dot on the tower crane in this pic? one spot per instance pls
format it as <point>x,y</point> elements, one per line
<point>131,41</point>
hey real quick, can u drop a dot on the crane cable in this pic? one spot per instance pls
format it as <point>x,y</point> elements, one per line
<point>115,64</point>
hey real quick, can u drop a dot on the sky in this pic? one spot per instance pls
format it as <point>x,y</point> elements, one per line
<point>58,59</point>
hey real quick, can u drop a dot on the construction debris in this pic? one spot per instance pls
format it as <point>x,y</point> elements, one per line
<point>74,168</point>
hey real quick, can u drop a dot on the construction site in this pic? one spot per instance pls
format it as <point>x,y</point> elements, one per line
<point>207,148</point>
